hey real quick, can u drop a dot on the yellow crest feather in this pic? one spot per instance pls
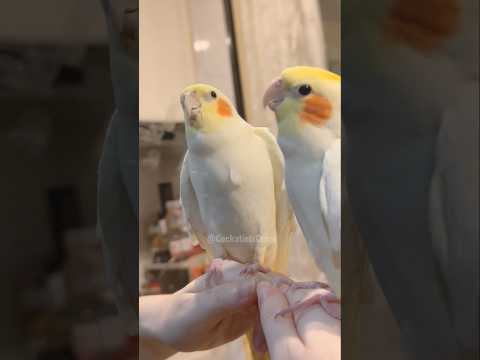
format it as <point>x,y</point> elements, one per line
<point>298,73</point>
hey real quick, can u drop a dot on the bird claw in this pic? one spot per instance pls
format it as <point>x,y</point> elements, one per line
<point>286,284</point>
<point>214,273</point>
<point>282,282</point>
<point>328,301</point>
<point>309,285</point>
<point>254,268</point>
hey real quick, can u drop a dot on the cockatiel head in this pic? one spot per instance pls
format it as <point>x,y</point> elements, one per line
<point>304,97</point>
<point>206,109</point>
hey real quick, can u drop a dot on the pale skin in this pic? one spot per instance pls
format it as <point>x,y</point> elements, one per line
<point>202,316</point>
<point>310,333</point>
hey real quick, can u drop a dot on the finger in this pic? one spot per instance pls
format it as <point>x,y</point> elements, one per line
<point>312,321</point>
<point>239,323</point>
<point>231,273</point>
<point>232,327</point>
<point>280,333</point>
<point>212,304</point>
<point>227,298</point>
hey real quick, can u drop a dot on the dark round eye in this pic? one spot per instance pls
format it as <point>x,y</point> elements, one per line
<point>304,90</point>
<point>213,94</point>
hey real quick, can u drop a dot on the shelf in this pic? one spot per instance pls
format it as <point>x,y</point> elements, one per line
<point>193,261</point>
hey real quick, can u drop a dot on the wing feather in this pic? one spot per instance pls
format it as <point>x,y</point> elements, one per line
<point>191,209</point>
<point>330,194</point>
<point>285,219</point>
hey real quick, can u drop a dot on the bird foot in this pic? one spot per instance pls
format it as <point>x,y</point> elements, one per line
<point>254,268</point>
<point>327,300</point>
<point>214,273</point>
<point>308,285</point>
<point>285,284</point>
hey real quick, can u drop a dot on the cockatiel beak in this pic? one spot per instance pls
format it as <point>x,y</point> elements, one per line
<point>191,106</point>
<point>274,95</point>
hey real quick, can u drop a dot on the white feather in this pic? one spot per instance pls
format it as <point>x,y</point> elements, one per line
<point>315,196</point>
<point>231,191</point>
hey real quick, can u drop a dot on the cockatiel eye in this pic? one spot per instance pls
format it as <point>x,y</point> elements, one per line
<point>304,90</point>
<point>210,95</point>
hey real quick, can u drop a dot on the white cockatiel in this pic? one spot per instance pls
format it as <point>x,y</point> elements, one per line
<point>232,187</point>
<point>306,102</point>
<point>232,184</point>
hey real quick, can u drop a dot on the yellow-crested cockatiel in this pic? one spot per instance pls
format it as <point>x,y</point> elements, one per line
<point>232,185</point>
<point>306,101</point>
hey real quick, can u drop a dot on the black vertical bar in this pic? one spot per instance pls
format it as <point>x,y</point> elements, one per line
<point>234,58</point>
<point>165,190</point>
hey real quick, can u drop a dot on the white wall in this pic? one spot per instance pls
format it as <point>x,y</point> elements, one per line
<point>211,45</point>
<point>165,58</point>
<point>331,18</point>
<point>272,35</point>
<point>181,42</point>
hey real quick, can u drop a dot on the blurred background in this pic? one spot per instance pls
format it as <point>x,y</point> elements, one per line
<point>55,104</point>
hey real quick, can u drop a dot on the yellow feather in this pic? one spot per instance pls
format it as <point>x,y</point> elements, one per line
<point>325,83</point>
<point>211,118</point>
<point>298,73</point>
<point>202,88</point>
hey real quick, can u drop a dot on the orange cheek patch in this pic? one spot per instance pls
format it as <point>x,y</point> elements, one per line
<point>316,110</point>
<point>223,109</point>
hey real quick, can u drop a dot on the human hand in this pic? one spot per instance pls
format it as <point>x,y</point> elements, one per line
<point>200,317</point>
<point>308,334</point>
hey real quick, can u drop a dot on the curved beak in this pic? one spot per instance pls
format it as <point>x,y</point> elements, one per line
<point>274,95</point>
<point>191,106</point>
